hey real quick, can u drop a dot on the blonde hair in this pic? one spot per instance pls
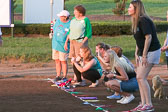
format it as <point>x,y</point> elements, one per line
<point>88,54</point>
<point>139,12</point>
<point>114,60</point>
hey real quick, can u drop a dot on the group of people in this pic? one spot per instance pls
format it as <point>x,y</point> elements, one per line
<point>70,37</point>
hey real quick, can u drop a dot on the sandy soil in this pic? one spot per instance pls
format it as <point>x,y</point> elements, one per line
<point>23,89</point>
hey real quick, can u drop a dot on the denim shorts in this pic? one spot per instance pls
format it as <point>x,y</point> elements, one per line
<point>130,85</point>
<point>153,57</point>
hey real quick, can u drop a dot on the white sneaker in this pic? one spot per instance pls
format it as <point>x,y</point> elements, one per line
<point>128,99</point>
<point>121,100</point>
<point>94,84</point>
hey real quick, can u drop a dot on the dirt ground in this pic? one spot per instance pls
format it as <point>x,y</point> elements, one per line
<point>24,89</point>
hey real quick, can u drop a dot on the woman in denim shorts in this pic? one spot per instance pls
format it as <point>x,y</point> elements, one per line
<point>123,77</point>
<point>147,51</point>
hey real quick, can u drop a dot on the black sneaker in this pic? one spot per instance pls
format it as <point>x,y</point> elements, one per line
<point>57,78</point>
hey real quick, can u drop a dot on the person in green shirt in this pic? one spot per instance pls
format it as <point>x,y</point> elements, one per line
<point>79,33</point>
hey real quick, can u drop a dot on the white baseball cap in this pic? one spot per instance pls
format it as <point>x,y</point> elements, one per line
<point>63,13</point>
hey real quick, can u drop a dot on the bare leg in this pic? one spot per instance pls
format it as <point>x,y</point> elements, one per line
<point>142,73</point>
<point>58,67</point>
<point>64,68</point>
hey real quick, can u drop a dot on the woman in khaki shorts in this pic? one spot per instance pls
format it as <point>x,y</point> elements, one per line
<point>59,54</point>
<point>80,31</point>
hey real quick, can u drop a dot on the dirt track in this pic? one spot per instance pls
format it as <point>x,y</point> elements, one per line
<point>23,89</point>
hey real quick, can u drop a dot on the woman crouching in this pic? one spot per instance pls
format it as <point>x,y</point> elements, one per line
<point>87,66</point>
<point>123,77</point>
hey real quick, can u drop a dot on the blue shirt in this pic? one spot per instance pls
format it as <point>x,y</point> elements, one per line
<point>60,30</point>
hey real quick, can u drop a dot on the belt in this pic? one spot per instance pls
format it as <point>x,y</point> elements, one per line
<point>80,38</point>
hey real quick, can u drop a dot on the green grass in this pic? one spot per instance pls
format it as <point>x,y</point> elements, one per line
<point>157,8</point>
<point>39,49</point>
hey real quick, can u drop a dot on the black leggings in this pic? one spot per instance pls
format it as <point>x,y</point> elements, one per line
<point>90,74</point>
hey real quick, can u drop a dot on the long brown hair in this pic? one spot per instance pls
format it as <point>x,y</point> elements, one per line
<point>139,12</point>
<point>88,54</point>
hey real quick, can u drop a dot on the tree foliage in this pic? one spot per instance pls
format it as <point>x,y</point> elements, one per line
<point>120,7</point>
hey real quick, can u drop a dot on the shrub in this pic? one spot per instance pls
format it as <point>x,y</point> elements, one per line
<point>99,28</point>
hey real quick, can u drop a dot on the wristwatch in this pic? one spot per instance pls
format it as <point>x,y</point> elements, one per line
<point>114,76</point>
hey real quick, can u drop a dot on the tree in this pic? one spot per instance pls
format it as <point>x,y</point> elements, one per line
<point>120,7</point>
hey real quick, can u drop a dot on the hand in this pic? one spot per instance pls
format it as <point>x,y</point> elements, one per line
<point>163,49</point>
<point>144,61</point>
<point>50,35</point>
<point>78,58</point>
<point>137,60</point>
<point>65,47</point>
<point>73,60</point>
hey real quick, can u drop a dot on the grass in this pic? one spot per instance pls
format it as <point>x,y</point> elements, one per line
<point>39,49</point>
<point>157,8</point>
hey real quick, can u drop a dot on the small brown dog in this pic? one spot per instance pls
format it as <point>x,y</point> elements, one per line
<point>157,86</point>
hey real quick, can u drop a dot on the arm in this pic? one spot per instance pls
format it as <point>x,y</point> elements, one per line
<point>66,43</point>
<point>88,30</point>
<point>86,67</point>
<point>136,56</point>
<point>148,39</point>
<point>84,40</point>
<point>165,46</point>
<point>123,75</point>
<point>102,61</point>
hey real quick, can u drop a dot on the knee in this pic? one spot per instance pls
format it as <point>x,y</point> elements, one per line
<point>109,84</point>
<point>63,62</point>
<point>57,61</point>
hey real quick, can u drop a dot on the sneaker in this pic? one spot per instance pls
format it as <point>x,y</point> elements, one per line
<point>121,100</point>
<point>145,108</point>
<point>94,84</point>
<point>64,79</point>
<point>136,108</point>
<point>57,78</point>
<point>128,99</point>
<point>114,97</point>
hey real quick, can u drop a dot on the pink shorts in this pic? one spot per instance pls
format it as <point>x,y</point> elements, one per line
<point>59,55</point>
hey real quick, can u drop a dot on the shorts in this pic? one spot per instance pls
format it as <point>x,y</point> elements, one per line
<point>153,57</point>
<point>130,85</point>
<point>75,48</point>
<point>59,55</point>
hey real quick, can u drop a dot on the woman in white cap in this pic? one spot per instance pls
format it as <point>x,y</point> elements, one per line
<point>59,54</point>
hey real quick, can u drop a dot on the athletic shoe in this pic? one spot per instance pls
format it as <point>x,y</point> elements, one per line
<point>128,99</point>
<point>64,79</point>
<point>57,78</point>
<point>114,97</point>
<point>94,84</point>
<point>122,99</point>
<point>136,108</point>
<point>146,108</point>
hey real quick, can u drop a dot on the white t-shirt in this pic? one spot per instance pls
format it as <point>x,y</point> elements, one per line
<point>0,31</point>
